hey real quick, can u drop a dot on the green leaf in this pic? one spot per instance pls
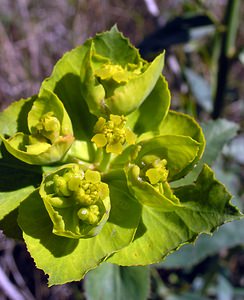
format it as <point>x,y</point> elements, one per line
<point>147,194</point>
<point>119,49</point>
<point>14,118</point>
<point>41,155</point>
<point>181,124</point>
<point>109,79</point>
<point>17,181</point>
<point>65,259</point>
<point>10,200</point>
<point>112,282</point>
<point>66,84</point>
<point>44,145</point>
<point>179,152</point>
<point>140,87</point>
<point>80,150</point>
<point>217,134</point>
<point>151,113</point>
<point>205,206</point>
<point>48,102</point>
<point>228,236</point>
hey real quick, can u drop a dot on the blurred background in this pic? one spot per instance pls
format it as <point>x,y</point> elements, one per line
<point>204,67</point>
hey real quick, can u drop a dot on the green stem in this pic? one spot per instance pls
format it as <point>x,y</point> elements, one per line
<point>227,47</point>
<point>104,164</point>
<point>99,156</point>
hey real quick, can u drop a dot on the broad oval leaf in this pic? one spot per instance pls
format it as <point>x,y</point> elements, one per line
<point>65,259</point>
<point>179,152</point>
<point>205,206</point>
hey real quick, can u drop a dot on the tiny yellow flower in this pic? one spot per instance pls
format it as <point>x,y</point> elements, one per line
<point>158,172</point>
<point>113,134</point>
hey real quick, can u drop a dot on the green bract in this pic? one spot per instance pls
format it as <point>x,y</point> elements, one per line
<point>49,134</point>
<point>117,83</point>
<point>91,163</point>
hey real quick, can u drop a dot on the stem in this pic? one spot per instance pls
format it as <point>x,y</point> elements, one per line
<point>104,164</point>
<point>226,52</point>
<point>99,156</point>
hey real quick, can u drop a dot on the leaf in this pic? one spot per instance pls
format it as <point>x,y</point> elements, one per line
<point>217,134</point>
<point>200,89</point>
<point>140,87</point>
<point>179,152</point>
<point>153,110</point>
<point>10,200</point>
<point>20,142</point>
<point>109,79</point>
<point>235,149</point>
<point>147,194</point>
<point>41,155</point>
<point>112,282</point>
<point>17,112</point>
<point>10,227</point>
<point>65,259</point>
<point>66,84</point>
<point>48,102</point>
<point>114,44</point>
<point>177,123</point>
<point>228,236</point>
<point>17,181</point>
<point>81,150</point>
<point>205,206</point>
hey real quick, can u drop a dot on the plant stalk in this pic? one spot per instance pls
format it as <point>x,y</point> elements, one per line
<point>227,50</point>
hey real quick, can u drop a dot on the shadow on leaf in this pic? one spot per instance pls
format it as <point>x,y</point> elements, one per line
<point>68,89</point>
<point>125,211</point>
<point>35,223</point>
<point>15,174</point>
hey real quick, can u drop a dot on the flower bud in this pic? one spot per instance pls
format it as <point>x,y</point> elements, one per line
<point>89,215</point>
<point>49,127</point>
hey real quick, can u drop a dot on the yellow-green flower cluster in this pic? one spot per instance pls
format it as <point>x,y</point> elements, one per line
<point>113,134</point>
<point>154,169</point>
<point>118,73</point>
<point>76,188</point>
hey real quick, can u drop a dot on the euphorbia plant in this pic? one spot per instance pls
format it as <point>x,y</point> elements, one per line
<point>89,163</point>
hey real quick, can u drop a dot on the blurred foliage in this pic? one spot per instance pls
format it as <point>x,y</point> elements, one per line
<point>34,34</point>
